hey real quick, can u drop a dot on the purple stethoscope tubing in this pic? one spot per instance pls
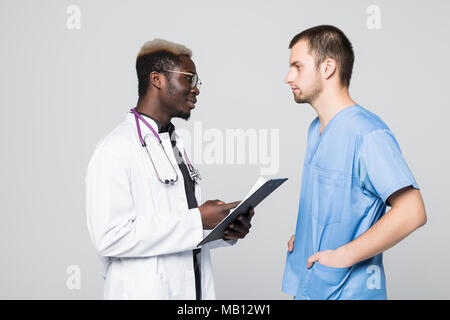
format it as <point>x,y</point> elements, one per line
<point>194,173</point>
<point>138,117</point>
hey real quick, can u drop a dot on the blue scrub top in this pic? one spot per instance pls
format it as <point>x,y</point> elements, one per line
<point>349,172</point>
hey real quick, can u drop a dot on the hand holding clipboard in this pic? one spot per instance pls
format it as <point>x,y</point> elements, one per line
<point>258,193</point>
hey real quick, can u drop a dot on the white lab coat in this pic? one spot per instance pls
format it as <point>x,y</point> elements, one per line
<point>141,228</point>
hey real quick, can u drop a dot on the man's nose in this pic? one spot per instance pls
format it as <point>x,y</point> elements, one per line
<point>288,77</point>
<point>195,90</point>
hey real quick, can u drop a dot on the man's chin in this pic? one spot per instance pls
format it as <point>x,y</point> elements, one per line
<point>304,98</point>
<point>301,100</point>
<point>183,115</point>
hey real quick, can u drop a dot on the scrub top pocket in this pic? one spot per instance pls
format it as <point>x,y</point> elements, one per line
<point>326,282</point>
<point>329,188</point>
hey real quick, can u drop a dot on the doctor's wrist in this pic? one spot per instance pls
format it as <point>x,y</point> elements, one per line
<point>346,256</point>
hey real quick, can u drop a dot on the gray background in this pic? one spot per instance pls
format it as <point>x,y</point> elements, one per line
<point>63,90</point>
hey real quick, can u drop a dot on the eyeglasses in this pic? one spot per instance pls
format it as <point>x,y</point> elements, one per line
<point>195,81</point>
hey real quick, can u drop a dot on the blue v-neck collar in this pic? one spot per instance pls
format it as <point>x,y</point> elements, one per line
<point>318,138</point>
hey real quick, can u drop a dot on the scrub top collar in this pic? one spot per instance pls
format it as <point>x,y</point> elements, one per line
<point>318,138</point>
<point>335,117</point>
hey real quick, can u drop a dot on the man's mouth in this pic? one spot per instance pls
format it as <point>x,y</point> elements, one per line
<point>191,103</point>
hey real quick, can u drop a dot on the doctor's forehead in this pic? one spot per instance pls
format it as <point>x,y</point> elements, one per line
<point>300,53</point>
<point>187,65</point>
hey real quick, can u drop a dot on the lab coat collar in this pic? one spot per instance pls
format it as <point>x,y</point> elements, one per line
<point>145,130</point>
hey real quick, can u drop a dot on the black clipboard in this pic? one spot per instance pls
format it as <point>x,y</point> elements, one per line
<point>250,202</point>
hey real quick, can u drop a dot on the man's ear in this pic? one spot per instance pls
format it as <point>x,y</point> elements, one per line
<point>328,68</point>
<point>156,79</point>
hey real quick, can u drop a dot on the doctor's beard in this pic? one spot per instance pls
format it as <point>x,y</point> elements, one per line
<point>183,115</point>
<point>311,96</point>
<point>178,113</point>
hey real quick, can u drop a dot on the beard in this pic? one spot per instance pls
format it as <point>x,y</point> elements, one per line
<point>183,115</point>
<point>311,95</point>
<point>171,90</point>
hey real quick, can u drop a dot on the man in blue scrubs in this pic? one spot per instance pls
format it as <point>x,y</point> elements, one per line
<point>353,169</point>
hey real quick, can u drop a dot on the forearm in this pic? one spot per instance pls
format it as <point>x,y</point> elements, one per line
<point>393,227</point>
<point>147,235</point>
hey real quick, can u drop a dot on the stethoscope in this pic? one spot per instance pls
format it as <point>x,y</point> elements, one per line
<point>193,173</point>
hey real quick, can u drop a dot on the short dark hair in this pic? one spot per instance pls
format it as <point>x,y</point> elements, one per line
<point>327,41</point>
<point>156,61</point>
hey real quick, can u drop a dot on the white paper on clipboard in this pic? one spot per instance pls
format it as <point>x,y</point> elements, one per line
<point>260,190</point>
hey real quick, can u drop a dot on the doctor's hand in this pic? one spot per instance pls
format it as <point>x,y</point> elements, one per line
<point>214,211</point>
<point>291,243</point>
<point>330,258</point>
<point>239,228</point>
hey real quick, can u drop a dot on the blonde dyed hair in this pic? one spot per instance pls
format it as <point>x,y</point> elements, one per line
<point>156,45</point>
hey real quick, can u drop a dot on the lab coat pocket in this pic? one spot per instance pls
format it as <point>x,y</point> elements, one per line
<point>150,287</point>
<point>145,280</point>
<point>326,282</point>
<point>327,197</point>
